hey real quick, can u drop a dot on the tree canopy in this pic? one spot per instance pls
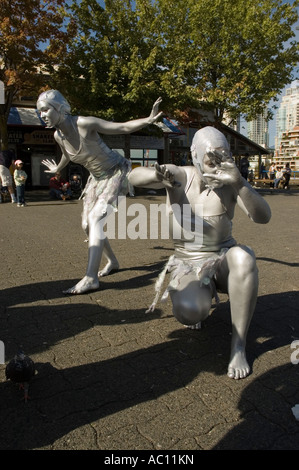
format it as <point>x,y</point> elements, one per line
<point>33,35</point>
<point>115,60</point>
<point>232,57</point>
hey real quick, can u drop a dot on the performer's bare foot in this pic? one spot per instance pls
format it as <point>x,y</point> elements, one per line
<point>111,266</point>
<point>85,285</point>
<point>238,367</point>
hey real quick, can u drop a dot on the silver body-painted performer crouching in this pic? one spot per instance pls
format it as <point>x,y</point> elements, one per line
<point>217,263</point>
<point>80,142</point>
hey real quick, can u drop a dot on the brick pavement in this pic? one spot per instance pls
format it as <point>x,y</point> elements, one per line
<point>112,377</point>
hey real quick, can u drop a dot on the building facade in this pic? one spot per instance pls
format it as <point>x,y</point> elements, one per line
<point>258,130</point>
<point>287,128</point>
<point>32,142</point>
<point>289,149</point>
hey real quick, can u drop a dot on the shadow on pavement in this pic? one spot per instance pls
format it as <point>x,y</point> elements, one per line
<point>64,399</point>
<point>274,260</point>
<point>269,424</point>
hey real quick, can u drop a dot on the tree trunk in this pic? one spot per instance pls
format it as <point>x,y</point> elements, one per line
<point>3,133</point>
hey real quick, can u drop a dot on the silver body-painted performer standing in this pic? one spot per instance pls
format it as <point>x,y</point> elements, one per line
<point>80,142</point>
<point>217,263</point>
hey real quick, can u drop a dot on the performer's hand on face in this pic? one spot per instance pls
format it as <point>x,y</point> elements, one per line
<point>221,168</point>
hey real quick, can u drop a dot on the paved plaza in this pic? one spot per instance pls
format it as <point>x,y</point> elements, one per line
<point>112,377</point>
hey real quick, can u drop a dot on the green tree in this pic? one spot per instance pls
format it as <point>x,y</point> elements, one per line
<point>86,59</point>
<point>231,57</point>
<point>33,35</point>
<point>111,70</point>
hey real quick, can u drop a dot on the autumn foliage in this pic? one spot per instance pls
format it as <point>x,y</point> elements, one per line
<point>33,35</point>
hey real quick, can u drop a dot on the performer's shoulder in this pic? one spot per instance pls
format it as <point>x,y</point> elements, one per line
<point>189,170</point>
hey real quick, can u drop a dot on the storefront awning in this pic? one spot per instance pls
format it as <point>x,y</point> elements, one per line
<point>24,117</point>
<point>169,126</point>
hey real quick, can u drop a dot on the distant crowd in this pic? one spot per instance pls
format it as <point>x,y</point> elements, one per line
<point>278,175</point>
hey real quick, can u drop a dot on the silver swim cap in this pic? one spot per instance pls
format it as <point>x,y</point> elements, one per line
<point>57,100</point>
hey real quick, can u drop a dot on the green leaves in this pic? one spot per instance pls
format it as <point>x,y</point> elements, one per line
<point>233,57</point>
<point>34,37</point>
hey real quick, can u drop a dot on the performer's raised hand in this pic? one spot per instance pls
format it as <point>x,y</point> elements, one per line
<point>155,114</point>
<point>51,165</point>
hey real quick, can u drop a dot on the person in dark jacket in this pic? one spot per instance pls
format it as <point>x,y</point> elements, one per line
<point>59,188</point>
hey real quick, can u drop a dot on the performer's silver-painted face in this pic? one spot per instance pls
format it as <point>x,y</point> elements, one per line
<point>50,101</point>
<point>209,149</point>
<point>210,166</point>
<point>48,114</point>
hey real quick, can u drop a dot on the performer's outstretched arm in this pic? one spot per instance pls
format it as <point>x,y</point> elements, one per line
<point>111,127</point>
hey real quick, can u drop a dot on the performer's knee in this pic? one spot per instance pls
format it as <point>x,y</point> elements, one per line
<point>243,261</point>
<point>191,311</point>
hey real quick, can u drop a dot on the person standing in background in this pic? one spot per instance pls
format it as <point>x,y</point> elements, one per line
<point>272,170</point>
<point>286,176</point>
<point>244,166</point>
<point>20,177</point>
<point>6,159</point>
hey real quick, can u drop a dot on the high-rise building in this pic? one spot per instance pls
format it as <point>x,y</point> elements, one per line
<point>258,130</point>
<point>233,124</point>
<point>287,128</point>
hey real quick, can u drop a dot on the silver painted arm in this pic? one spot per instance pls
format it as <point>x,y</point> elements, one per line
<point>157,177</point>
<point>110,127</point>
<point>253,204</point>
